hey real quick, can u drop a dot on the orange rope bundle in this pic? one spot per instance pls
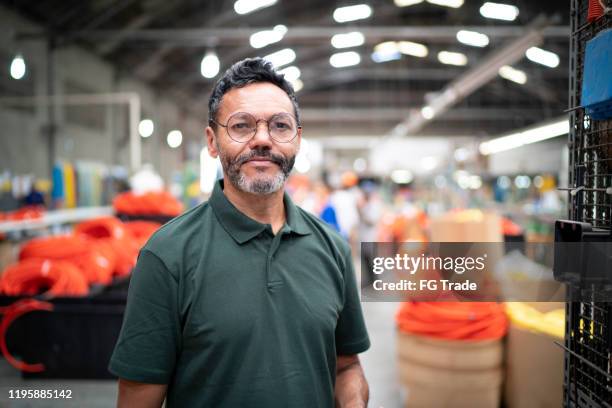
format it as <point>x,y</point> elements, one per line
<point>151,203</point>
<point>126,251</point>
<point>25,213</point>
<point>102,227</point>
<point>11,313</point>
<point>110,234</point>
<point>509,227</point>
<point>31,276</point>
<point>453,320</point>
<point>141,230</point>
<point>93,264</point>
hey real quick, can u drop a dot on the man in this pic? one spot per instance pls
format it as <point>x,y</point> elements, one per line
<point>246,300</point>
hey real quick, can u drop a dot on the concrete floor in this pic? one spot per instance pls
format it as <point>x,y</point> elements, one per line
<point>378,363</point>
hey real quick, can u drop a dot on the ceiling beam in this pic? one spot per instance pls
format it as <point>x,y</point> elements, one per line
<point>393,114</point>
<point>237,35</point>
<point>472,80</point>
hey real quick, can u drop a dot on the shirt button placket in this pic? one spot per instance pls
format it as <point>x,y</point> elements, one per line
<point>273,280</point>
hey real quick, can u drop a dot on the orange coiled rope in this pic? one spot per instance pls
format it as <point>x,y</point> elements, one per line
<point>151,203</point>
<point>110,234</point>
<point>31,276</point>
<point>76,249</point>
<point>141,230</point>
<point>25,213</point>
<point>11,313</point>
<point>453,320</point>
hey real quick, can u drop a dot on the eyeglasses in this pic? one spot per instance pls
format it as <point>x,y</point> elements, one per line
<point>241,127</point>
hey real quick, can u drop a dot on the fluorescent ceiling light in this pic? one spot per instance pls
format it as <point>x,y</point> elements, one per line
<point>401,176</point>
<point>528,136</point>
<point>282,57</point>
<point>473,38</point>
<point>146,127</point>
<point>18,67</point>
<point>344,59</point>
<point>264,38</point>
<point>428,112</point>
<point>386,47</point>
<point>452,58</point>
<point>386,51</point>
<point>209,67</point>
<point>352,39</point>
<point>379,57</point>
<point>461,154</point>
<point>429,163</point>
<point>352,13</point>
<point>406,3</point>
<point>513,74</point>
<point>447,3</point>
<point>499,11</point>
<point>297,85</point>
<point>543,57</point>
<point>248,6</point>
<point>412,48</point>
<point>291,73</point>
<point>175,138</point>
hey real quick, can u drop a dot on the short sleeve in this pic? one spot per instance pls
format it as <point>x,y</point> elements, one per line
<point>351,333</point>
<point>148,343</point>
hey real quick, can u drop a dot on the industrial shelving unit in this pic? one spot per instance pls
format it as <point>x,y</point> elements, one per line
<point>588,336</point>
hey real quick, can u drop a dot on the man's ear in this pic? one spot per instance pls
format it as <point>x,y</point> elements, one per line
<point>210,142</point>
<point>299,137</point>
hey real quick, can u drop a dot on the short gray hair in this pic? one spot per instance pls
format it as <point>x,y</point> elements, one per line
<point>245,72</point>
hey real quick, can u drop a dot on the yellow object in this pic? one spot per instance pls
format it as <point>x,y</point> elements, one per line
<point>69,186</point>
<point>43,185</point>
<point>551,323</point>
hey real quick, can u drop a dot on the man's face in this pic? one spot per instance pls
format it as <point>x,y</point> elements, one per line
<point>261,165</point>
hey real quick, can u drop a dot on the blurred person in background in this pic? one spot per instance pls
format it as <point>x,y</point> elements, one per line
<point>245,300</point>
<point>344,201</point>
<point>370,208</point>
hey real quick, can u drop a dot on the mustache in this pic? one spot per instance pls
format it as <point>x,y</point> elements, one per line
<point>261,153</point>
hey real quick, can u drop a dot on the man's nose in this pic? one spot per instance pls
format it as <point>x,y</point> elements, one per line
<point>262,135</point>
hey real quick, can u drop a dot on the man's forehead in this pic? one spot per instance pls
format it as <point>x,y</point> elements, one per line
<point>260,96</point>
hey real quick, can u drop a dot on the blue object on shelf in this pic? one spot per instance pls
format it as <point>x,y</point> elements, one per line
<point>597,79</point>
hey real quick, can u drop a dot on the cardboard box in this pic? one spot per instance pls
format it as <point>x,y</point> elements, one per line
<point>466,226</point>
<point>534,366</point>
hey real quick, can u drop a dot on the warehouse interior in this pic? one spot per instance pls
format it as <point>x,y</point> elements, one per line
<point>423,121</point>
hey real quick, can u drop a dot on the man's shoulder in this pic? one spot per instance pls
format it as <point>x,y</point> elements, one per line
<point>179,231</point>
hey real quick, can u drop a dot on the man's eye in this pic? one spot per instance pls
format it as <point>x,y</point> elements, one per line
<point>281,126</point>
<point>240,126</point>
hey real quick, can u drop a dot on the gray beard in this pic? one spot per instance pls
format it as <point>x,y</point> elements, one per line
<point>259,184</point>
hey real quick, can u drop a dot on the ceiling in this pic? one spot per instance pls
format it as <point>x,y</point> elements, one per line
<point>162,43</point>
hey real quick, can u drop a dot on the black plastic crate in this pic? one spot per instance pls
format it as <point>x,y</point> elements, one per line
<point>588,335</point>
<point>75,340</point>
<point>162,219</point>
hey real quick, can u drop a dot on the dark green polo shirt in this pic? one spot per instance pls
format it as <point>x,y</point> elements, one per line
<point>230,315</point>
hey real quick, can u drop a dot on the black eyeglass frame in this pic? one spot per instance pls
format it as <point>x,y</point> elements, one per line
<point>297,129</point>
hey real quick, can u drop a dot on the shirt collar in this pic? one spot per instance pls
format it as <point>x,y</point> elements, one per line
<point>243,228</point>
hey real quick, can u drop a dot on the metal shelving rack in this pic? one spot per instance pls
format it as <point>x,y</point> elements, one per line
<point>588,337</point>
